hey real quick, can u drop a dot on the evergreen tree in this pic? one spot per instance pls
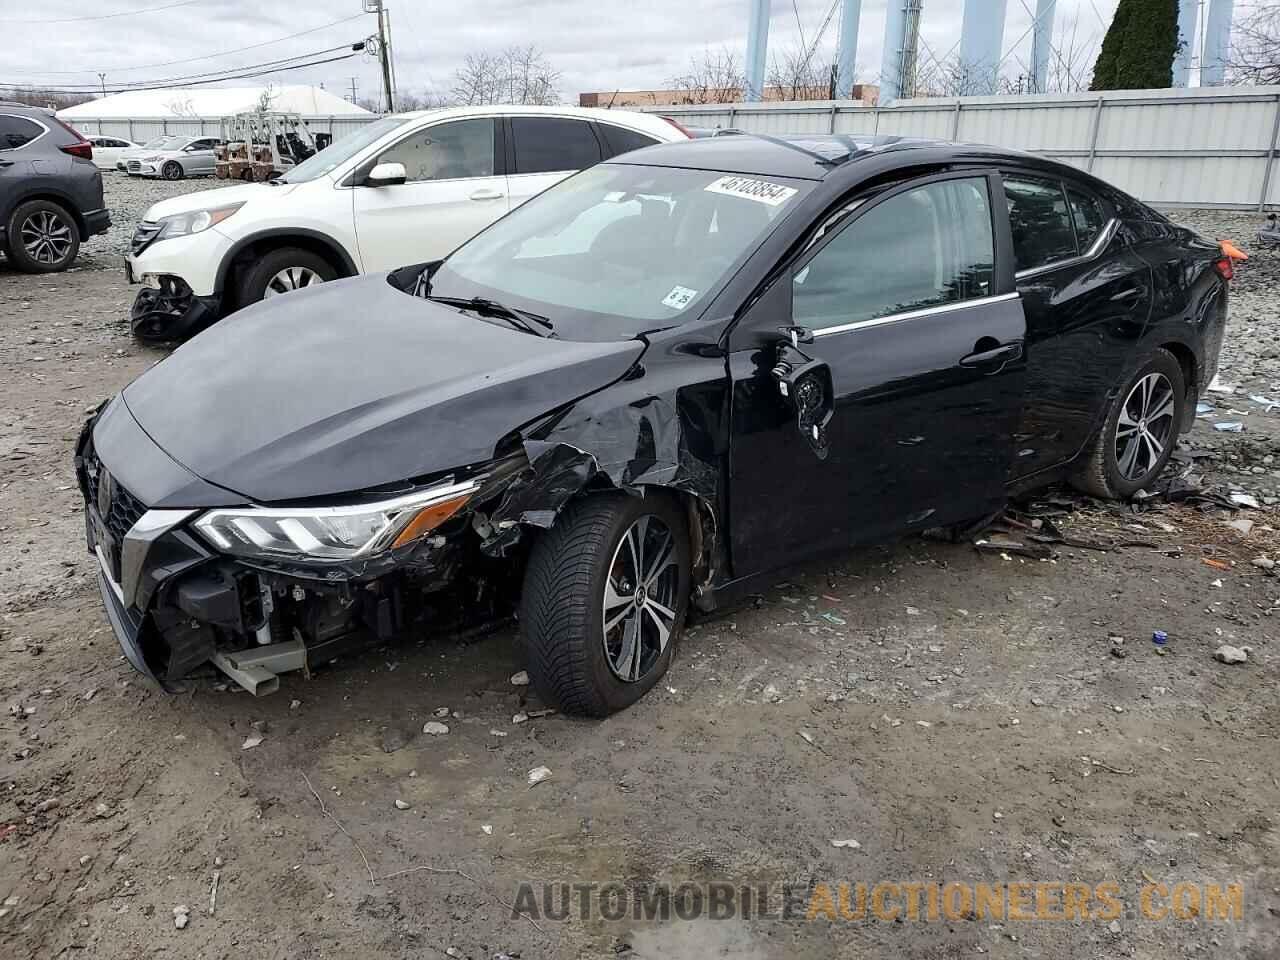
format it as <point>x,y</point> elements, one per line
<point>1137,52</point>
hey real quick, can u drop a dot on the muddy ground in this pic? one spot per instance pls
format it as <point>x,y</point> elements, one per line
<point>963,716</point>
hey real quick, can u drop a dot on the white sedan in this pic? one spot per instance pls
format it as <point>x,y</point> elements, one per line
<point>107,151</point>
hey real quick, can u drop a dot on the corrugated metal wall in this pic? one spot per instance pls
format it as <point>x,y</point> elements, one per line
<point>1208,147</point>
<point>140,131</point>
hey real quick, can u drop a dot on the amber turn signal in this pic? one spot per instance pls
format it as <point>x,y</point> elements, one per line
<point>429,518</point>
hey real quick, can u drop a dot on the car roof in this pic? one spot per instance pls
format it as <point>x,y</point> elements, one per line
<point>815,156</point>
<point>628,118</point>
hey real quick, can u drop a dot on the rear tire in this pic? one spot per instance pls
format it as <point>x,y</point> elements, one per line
<point>1145,414</point>
<point>43,237</point>
<point>580,571</point>
<point>282,270</point>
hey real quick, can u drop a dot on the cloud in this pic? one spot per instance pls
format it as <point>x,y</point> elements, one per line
<point>596,44</point>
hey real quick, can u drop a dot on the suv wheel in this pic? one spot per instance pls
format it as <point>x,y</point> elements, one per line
<point>171,170</point>
<point>282,271</point>
<point>604,601</point>
<point>43,237</point>
<point>1140,431</point>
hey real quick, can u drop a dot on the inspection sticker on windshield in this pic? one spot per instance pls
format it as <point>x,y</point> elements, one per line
<point>679,297</point>
<point>762,191</point>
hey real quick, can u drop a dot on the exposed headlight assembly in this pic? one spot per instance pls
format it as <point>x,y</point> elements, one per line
<point>333,533</point>
<point>185,224</point>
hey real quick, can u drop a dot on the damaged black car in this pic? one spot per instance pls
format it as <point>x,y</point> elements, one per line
<point>644,391</point>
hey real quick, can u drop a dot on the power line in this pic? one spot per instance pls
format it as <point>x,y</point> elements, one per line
<point>207,56</point>
<point>110,16</point>
<point>179,81</point>
<point>194,83</point>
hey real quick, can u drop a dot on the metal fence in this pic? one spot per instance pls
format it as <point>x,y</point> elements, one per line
<point>1207,147</point>
<point>140,131</point>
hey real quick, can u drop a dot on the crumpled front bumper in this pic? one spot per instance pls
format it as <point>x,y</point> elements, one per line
<point>171,313</point>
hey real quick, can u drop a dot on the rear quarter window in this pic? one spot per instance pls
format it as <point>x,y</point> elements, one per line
<point>17,132</point>
<point>621,140</point>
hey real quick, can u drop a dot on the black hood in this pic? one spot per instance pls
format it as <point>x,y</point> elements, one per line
<point>354,385</point>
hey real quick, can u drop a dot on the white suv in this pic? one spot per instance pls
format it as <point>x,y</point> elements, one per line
<point>403,189</point>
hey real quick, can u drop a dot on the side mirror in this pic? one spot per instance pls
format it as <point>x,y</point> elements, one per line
<point>386,175</point>
<point>805,386</point>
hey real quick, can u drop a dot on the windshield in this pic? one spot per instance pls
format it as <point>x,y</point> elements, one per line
<point>340,151</point>
<point>159,142</point>
<point>620,249</point>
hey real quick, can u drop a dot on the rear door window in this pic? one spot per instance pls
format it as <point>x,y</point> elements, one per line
<point>1041,222</point>
<point>553,144</point>
<point>621,140</point>
<point>18,132</point>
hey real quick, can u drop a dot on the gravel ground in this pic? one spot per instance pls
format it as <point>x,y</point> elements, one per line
<point>128,199</point>
<point>963,716</point>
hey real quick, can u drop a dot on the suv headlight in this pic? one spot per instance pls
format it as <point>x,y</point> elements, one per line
<point>185,224</point>
<point>333,533</point>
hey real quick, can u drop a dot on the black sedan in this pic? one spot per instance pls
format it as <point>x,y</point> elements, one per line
<point>663,379</point>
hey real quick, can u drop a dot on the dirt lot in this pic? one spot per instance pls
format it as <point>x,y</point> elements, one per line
<point>965,717</point>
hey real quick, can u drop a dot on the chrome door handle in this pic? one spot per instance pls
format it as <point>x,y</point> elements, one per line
<point>488,195</point>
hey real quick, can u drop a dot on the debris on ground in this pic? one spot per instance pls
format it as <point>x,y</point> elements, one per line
<point>402,805</point>
<point>1229,654</point>
<point>520,679</point>
<point>846,844</point>
<point>538,774</point>
<point>435,728</point>
<point>251,741</point>
<point>181,914</point>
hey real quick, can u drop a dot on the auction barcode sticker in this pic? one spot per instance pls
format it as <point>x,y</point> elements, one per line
<point>762,191</point>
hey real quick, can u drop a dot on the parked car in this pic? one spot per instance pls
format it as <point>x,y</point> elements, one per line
<point>108,152</point>
<point>177,159</point>
<point>147,149</point>
<point>402,188</point>
<point>653,386</point>
<point>50,191</point>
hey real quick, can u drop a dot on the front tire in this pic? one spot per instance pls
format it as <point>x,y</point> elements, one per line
<point>1139,433</point>
<point>284,270</point>
<point>43,237</point>
<point>172,170</point>
<point>605,596</point>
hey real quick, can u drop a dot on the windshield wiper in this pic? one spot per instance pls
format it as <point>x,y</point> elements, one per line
<point>492,308</point>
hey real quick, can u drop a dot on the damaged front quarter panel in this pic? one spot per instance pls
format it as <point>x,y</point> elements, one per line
<point>661,426</point>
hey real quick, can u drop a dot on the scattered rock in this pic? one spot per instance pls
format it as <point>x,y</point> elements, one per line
<point>397,738</point>
<point>997,815</point>
<point>1241,525</point>
<point>1115,926</point>
<point>498,733</point>
<point>442,711</point>
<point>1263,563</point>
<point>401,805</point>
<point>487,828</point>
<point>1037,702</point>
<point>102,810</point>
<point>181,915</point>
<point>849,844</point>
<point>435,728</point>
<point>520,679</point>
<point>771,693</point>
<point>46,805</point>
<point>294,704</point>
<point>520,717</point>
<point>1229,654</point>
<point>538,774</point>
<point>251,741</point>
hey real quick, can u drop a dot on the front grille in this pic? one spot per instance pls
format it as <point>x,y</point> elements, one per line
<point>122,508</point>
<point>143,234</point>
<point>135,166</point>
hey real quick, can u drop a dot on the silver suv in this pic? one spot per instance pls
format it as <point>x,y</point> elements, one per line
<point>50,190</point>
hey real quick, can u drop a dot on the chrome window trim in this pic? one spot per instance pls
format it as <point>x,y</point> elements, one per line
<point>44,128</point>
<point>914,314</point>
<point>1100,243</point>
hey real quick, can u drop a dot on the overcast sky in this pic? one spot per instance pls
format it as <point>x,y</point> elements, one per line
<point>595,44</point>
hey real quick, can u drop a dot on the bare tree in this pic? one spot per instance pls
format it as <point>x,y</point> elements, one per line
<point>515,75</point>
<point>715,77</point>
<point>269,94</point>
<point>180,105</point>
<point>797,74</point>
<point>41,97</point>
<point>1255,50</point>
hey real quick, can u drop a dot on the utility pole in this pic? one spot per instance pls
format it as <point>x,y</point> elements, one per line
<point>102,79</point>
<point>384,49</point>
<point>353,89</point>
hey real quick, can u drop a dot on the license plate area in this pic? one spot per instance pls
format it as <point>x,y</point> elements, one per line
<point>104,544</point>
